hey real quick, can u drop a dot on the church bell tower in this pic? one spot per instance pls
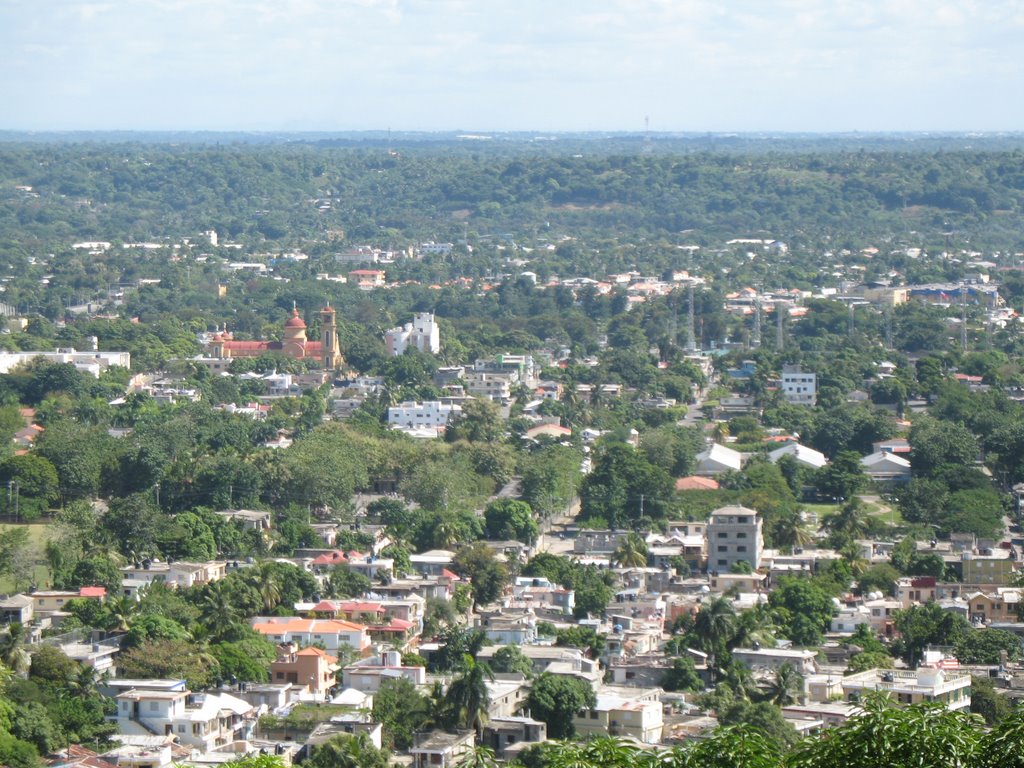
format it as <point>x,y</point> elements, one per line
<point>329,347</point>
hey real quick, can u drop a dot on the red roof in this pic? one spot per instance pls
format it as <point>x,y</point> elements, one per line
<point>395,625</point>
<point>331,558</point>
<point>295,321</point>
<point>696,484</point>
<point>92,592</point>
<point>450,575</point>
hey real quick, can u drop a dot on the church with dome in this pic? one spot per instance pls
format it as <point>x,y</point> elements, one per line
<point>293,344</point>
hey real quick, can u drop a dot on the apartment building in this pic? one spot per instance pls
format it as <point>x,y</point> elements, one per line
<point>734,535</point>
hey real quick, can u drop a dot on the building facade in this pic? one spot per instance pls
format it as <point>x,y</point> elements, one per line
<point>734,535</point>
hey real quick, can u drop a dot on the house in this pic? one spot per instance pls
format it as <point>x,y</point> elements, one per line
<point>734,535</point>
<point>49,601</point>
<point>311,668</point>
<point>368,674</point>
<point>249,519</point>
<point>437,749</point>
<point>333,634</point>
<point>501,733</point>
<point>807,457</point>
<point>718,459</point>
<point>951,687</point>
<point>17,609</point>
<point>623,712</point>
<point>430,413</point>
<point>209,722</point>
<point>1005,605</point>
<point>771,659</point>
<point>886,467</point>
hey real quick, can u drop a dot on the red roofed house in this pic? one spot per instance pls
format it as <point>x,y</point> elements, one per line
<point>328,560</point>
<point>695,483</point>
<point>332,634</point>
<point>310,667</point>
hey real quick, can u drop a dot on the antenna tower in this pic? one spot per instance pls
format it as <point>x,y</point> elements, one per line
<point>850,321</point>
<point>963,317</point>
<point>755,336</point>
<point>691,332</point>
<point>647,135</point>
<point>779,336</point>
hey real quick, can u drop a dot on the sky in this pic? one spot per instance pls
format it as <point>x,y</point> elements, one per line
<point>512,65</point>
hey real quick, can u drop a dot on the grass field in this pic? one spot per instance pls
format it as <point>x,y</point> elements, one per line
<point>37,533</point>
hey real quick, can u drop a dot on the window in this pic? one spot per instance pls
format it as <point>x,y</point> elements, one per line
<point>723,563</point>
<point>741,535</point>
<point>723,535</point>
<point>593,714</point>
<point>723,548</point>
<point>154,706</point>
<point>741,548</point>
<point>181,728</point>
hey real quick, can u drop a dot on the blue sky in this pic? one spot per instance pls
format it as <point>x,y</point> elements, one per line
<point>534,65</point>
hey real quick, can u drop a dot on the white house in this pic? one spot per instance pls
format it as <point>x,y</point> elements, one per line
<point>808,457</point>
<point>718,459</point>
<point>883,466</point>
<point>333,634</point>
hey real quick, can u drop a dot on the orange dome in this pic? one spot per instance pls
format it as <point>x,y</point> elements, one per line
<point>295,321</point>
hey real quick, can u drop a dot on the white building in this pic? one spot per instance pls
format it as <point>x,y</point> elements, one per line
<point>803,455</point>
<point>422,334</point>
<point>734,535</point>
<point>208,722</point>
<point>951,687</point>
<point>718,459</point>
<point>93,361</point>
<point>431,413</point>
<point>799,387</point>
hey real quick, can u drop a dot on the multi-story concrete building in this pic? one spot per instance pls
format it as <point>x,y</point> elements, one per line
<point>734,535</point>
<point>951,687</point>
<point>430,413</point>
<point>625,712</point>
<point>799,387</point>
<point>422,334</point>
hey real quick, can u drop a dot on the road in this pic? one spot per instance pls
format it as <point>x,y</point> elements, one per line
<point>549,539</point>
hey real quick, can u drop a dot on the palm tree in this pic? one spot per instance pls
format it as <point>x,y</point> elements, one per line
<point>790,531</point>
<point>720,432</point>
<point>784,687</point>
<point>266,581</point>
<point>12,649</point>
<point>468,697</point>
<point>84,681</point>
<point>632,553</point>
<point>120,611</point>
<point>850,521</point>
<point>218,610</point>
<point>754,627</point>
<point>715,624</point>
<point>478,757</point>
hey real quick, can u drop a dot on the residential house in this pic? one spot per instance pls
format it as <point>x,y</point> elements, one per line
<point>17,609</point>
<point>208,722</point>
<point>623,712</point>
<point>886,467</point>
<point>437,749</point>
<point>804,456</point>
<point>951,687</point>
<point>332,634</point>
<point>367,674</point>
<point>310,668</point>
<point>771,659</point>
<point>502,734</point>
<point>718,459</point>
<point>799,387</point>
